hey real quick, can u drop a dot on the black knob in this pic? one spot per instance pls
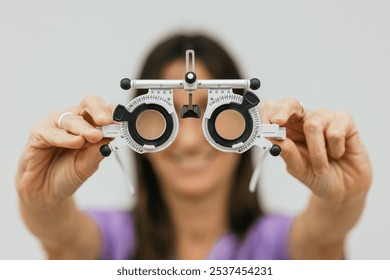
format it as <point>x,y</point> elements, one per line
<point>275,150</point>
<point>105,150</point>
<point>255,84</point>
<point>190,77</point>
<point>125,83</point>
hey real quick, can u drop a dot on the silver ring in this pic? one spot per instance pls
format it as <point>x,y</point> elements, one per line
<point>62,117</point>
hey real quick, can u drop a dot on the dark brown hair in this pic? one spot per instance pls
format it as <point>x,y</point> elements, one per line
<point>154,230</point>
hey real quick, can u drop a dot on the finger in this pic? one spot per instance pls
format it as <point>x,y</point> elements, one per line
<point>88,160</point>
<point>313,129</point>
<point>337,132</point>
<point>266,108</point>
<point>77,125</point>
<point>296,163</point>
<point>285,109</point>
<point>47,135</point>
<point>112,109</point>
<point>94,106</point>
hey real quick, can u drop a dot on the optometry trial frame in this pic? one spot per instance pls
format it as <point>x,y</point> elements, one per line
<point>220,99</point>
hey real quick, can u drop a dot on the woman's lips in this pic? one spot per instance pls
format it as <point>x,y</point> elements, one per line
<point>192,164</point>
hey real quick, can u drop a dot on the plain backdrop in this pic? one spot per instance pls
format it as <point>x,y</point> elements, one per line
<point>332,54</point>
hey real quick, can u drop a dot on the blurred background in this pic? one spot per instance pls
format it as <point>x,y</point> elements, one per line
<point>332,54</point>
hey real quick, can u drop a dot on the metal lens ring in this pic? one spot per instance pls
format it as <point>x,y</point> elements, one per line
<point>156,100</point>
<point>220,100</point>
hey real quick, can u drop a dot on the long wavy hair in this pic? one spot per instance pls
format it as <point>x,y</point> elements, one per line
<point>154,230</point>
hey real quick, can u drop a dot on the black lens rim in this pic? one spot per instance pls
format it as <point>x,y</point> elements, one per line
<point>132,128</point>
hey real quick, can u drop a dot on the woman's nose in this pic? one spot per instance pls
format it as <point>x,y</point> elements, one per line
<point>190,135</point>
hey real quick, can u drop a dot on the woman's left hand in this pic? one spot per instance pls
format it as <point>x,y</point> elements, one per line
<point>322,149</point>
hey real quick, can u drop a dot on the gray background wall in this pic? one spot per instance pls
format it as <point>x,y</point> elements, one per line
<point>332,54</point>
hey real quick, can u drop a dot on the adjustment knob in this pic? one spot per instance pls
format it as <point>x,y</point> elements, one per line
<point>190,77</point>
<point>275,150</point>
<point>125,83</point>
<point>105,150</point>
<point>255,84</point>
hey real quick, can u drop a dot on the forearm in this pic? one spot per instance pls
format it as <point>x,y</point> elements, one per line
<point>320,231</point>
<point>64,231</point>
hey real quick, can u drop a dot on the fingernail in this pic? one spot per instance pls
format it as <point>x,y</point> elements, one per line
<point>103,116</point>
<point>95,131</point>
<point>281,117</point>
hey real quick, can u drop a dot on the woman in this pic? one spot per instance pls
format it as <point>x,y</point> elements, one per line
<point>192,200</point>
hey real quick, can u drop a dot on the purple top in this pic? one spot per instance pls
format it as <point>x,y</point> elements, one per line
<point>265,240</point>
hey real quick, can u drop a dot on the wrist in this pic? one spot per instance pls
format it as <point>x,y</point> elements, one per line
<point>328,222</point>
<point>335,207</point>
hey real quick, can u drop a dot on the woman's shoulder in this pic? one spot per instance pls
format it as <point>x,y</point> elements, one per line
<point>270,223</point>
<point>266,239</point>
<point>111,215</point>
<point>117,231</point>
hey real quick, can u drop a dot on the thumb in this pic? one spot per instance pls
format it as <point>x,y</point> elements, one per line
<point>88,160</point>
<point>296,164</point>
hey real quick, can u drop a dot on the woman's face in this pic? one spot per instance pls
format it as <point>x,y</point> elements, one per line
<point>190,166</point>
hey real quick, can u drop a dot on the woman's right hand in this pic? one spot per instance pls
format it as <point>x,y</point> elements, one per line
<point>57,160</point>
